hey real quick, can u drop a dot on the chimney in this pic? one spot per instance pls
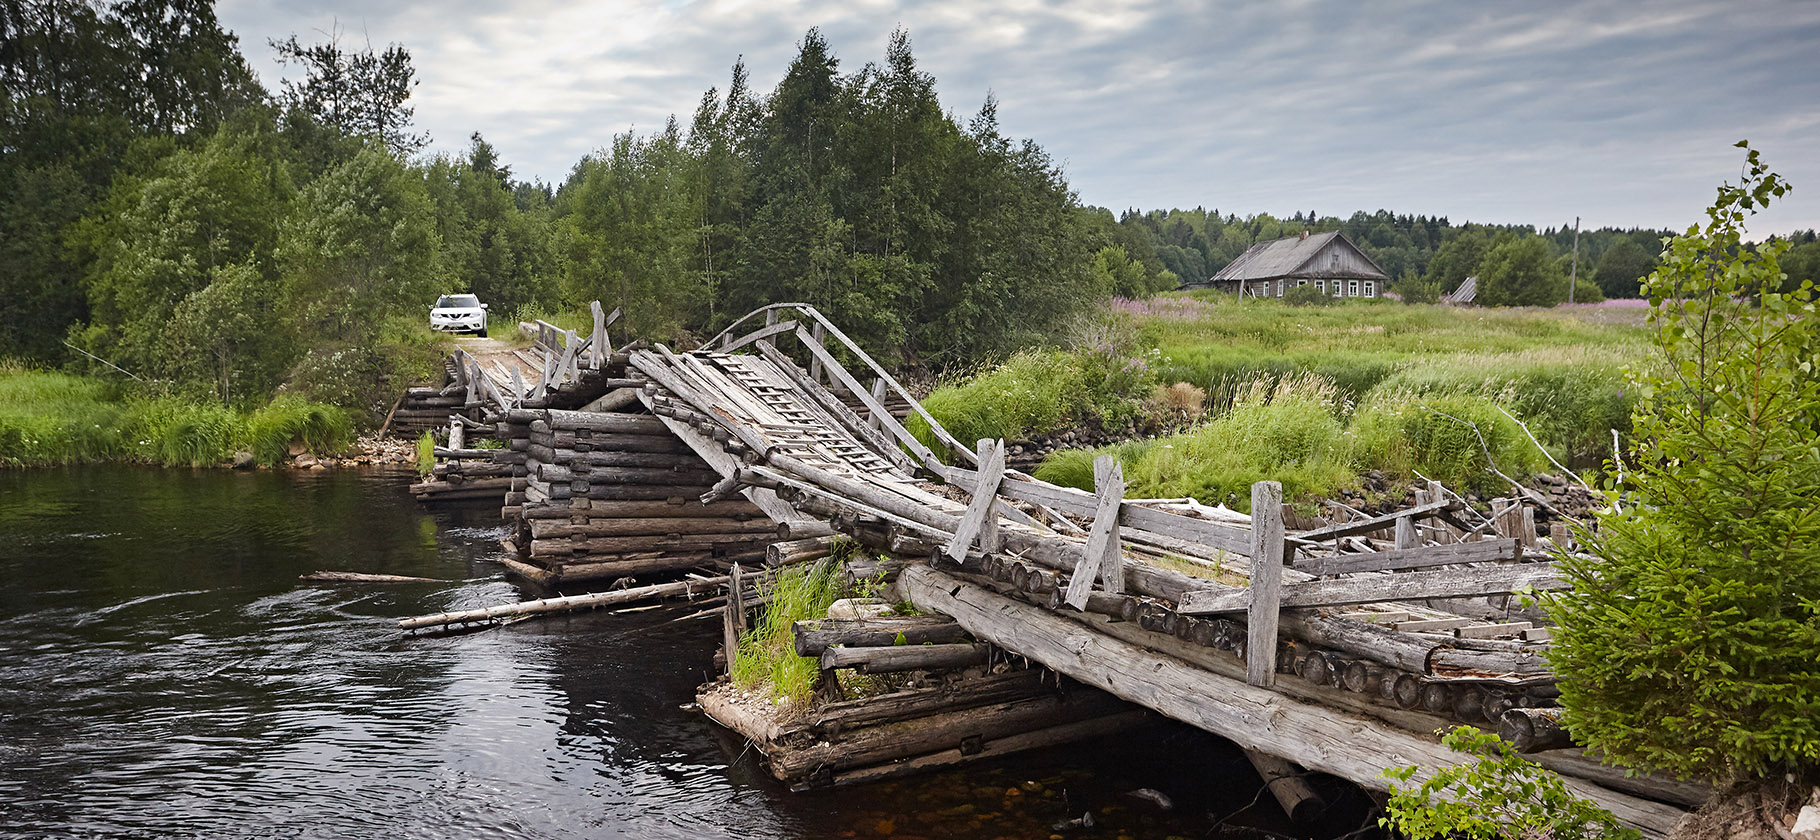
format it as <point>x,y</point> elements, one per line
<point>1304,235</point>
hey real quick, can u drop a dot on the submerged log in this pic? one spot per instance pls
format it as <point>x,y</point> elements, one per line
<point>361,577</point>
<point>1286,782</point>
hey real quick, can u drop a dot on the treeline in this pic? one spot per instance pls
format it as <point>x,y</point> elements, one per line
<point>1427,256</point>
<point>164,212</point>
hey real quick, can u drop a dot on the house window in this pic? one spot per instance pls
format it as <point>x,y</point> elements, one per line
<point>1336,288</point>
<point>1371,288</point>
<point>1352,288</point>
<point>1320,286</point>
<point>1279,285</point>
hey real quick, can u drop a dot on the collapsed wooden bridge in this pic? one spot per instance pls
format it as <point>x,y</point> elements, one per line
<point>1342,648</point>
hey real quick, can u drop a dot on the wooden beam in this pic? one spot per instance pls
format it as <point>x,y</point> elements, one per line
<point>1376,523</point>
<point>1317,737</point>
<point>818,335</point>
<point>1263,597</point>
<point>1081,503</point>
<point>1412,558</point>
<point>980,511</point>
<point>1442,583</point>
<point>759,334</point>
<point>598,338</point>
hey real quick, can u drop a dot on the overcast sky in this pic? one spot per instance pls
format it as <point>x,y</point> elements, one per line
<point>1529,112</point>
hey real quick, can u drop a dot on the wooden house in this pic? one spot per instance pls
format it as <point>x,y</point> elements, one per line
<point>1328,261</point>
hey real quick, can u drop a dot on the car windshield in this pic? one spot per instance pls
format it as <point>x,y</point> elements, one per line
<point>457,302</point>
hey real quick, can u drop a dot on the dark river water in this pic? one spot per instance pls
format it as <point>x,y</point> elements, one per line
<point>163,673</point>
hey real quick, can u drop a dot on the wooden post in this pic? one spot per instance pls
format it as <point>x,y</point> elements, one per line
<point>457,434</point>
<point>1500,516</point>
<point>597,340</point>
<point>818,333</point>
<point>1406,533</point>
<point>992,461</point>
<point>1101,559</point>
<point>734,617</point>
<point>543,380</point>
<point>518,388</point>
<point>878,396</point>
<point>981,518</point>
<point>1266,583</point>
<point>1444,533</point>
<point>1527,527</point>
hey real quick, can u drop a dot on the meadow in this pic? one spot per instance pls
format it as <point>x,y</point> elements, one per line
<point>1313,396</point>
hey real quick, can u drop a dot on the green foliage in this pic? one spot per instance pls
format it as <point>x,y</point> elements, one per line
<point>1444,437</point>
<point>1693,643</point>
<point>1521,272</point>
<point>767,656</point>
<point>53,418</point>
<point>426,454</point>
<point>1306,295</point>
<point>1283,430</point>
<point>1500,796</point>
<point>322,429</point>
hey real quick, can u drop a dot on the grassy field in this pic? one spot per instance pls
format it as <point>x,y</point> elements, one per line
<point>1313,396</point>
<point>53,418</point>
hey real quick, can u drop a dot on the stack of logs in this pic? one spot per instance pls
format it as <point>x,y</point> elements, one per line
<point>957,706</point>
<point>607,495</point>
<point>470,475</point>
<point>425,408</point>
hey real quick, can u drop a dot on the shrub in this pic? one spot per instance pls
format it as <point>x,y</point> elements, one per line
<point>1306,296</point>
<point>184,433</point>
<point>1499,796</point>
<point>1693,643</point>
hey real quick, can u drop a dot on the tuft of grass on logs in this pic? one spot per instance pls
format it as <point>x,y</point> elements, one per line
<point>767,658</point>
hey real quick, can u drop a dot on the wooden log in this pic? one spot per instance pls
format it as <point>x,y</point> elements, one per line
<point>542,491</point>
<point>1412,558</point>
<point>1534,730</point>
<point>894,659</point>
<point>981,509</point>
<point>591,568</point>
<point>993,748</point>
<point>541,577</point>
<point>604,443</point>
<point>1286,782</point>
<point>595,459</point>
<point>559,474</point>
<point>616,423</point>
<point>799,551</point>
<point>362,577</point>
<point>1081,503</point>
<point>572,546</point>
<point>568,603</point>
<point>733,618</point>
<point>1263,601</point>
<point>678,525</point>
<point>815,637</point>
<point>1314,736</point>
<point>871,745</point>
<point>833,718</point>
<point>1444,583</point>
<point>661,508</point>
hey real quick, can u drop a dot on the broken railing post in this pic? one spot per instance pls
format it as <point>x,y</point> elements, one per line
<point>981,520</point>
<point>1102,559</point>
<point>1266,583</point>
<point>733,617</point>
<point>1406,533</point>
<point>878,396</point>
<point>597,340</point>
<point>815,362</point>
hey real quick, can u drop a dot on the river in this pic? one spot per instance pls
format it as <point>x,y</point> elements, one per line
<point>164,673</point>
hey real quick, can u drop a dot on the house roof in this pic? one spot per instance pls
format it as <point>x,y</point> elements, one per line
<point>1469,289</point>
<point>1291,256</point>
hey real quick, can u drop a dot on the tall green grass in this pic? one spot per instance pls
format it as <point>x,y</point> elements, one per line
<point>767,656</point>
<point>51,418</point>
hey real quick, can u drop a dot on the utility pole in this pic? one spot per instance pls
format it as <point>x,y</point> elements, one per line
<point>1574,274</point>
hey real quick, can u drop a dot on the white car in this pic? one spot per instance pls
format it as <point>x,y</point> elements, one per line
<point>459,313</point>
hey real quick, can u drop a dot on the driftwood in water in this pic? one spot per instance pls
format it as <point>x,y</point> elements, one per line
<point>361,577</point>
<point>567,603</point>
<point>888,660</point>
<point>811,638</point>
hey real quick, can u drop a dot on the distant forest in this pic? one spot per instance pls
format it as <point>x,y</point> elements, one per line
<point>162,210</point>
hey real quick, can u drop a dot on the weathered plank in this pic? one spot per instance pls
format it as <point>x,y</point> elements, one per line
<point>1412,558</point>
<point>1376,523</point>
<point>1443,583</point>
<point>981,509</point>
<point>1263,602</point>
